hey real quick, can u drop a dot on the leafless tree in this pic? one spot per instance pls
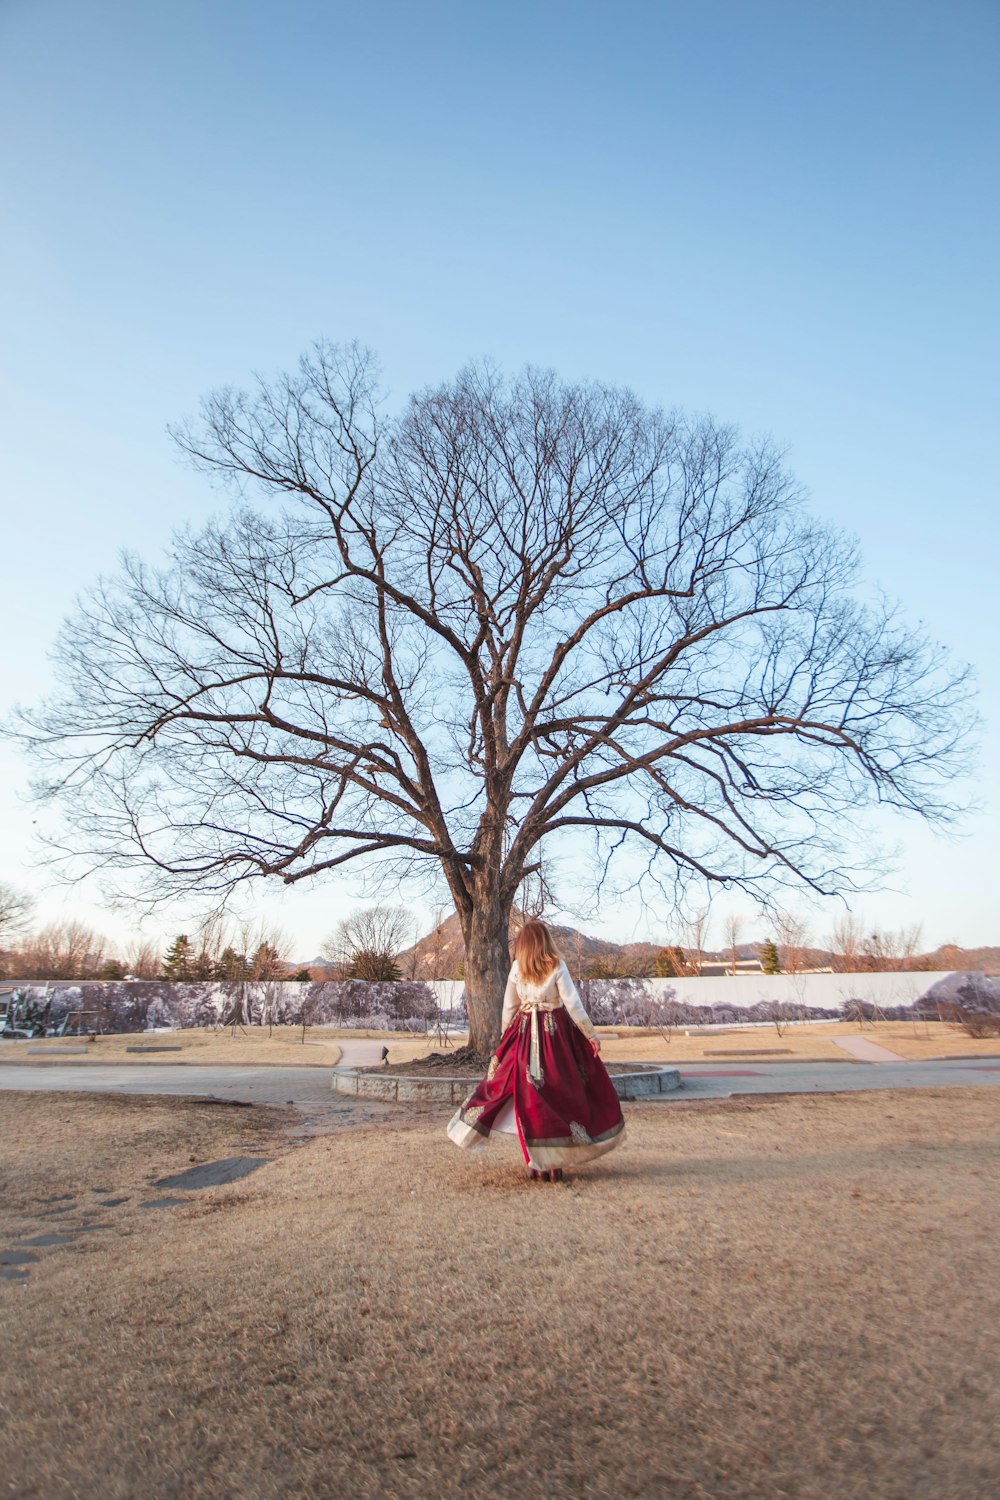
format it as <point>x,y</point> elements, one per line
<point>435,955</point>
<point>792,933</point>
<point>885,950</point>
<point>696,929</point>
<point>409,959</point>
<point>64,950</point>
<point>368,943</point>
<point>845,943</point>
<point>143,959</point>
<point>516,613</point>
<point>859,947</point>
<point>206,946</point>
<point>733,928</point>
<point>15,911</point>
<point>908,940</point>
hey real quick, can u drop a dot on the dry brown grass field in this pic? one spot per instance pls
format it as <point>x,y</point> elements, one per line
<point>252,1045</point>
<point>249,1045</point>
<point>915,1041</point>
<point>790,1297</point>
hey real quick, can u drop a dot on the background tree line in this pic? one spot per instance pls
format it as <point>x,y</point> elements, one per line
<point>376,944</point>
<point>69,949</point>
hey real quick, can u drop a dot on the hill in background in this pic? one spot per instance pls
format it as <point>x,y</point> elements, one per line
<point>441,954</point>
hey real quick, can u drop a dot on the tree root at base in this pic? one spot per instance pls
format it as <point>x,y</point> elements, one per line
<point>463,1057</point>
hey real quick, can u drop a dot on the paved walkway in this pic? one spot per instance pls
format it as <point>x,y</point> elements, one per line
<point>866,1051</point>
<point>360,1052</point>
<point>251,1085</point>
<point>311,1086</point>
<point>706,1082</point>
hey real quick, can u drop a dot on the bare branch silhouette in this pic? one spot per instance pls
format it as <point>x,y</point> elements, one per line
<point>516,611</point>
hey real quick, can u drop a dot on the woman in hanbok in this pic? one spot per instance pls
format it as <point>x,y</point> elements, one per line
<point>545,1083</point>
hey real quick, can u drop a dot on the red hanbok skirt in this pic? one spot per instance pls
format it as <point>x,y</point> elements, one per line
<point>570,1115</point>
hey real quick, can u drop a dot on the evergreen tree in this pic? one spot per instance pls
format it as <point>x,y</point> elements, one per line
<point>769,960</point>
<point>671,963</point>
<point>178,960</point>
<point>203,965</point>
<point>370,964</point>
<point>266,963</point>
<point>231,966</point>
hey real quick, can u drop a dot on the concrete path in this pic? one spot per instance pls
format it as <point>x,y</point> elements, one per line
<point>311,1086</point>
<point>866,1051</point>
<point>250,1085</point>
<point>360,1052</point>
<point>706,1082</point>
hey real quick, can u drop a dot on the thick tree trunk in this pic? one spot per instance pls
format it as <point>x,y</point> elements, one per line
<point>487,964</point>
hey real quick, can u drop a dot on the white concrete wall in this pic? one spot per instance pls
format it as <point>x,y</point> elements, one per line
<point>742,991</point>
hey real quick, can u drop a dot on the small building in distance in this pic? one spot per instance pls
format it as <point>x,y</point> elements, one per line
<point>716,968</point>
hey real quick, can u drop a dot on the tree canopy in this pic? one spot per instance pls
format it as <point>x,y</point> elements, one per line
<point>514,613</point>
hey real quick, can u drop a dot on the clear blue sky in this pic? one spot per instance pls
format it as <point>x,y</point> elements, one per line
<point>782,213</point>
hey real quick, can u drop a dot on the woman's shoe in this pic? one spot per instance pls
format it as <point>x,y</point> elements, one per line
<point>556,1175</point>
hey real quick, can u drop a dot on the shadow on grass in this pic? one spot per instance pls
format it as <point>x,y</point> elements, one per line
<point>861,1167</point>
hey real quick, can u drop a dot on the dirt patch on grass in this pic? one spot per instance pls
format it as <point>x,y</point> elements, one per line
<point>79,1147</point>
<point>775,1298</point>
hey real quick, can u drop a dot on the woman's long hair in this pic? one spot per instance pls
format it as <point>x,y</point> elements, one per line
<point>535,952</point>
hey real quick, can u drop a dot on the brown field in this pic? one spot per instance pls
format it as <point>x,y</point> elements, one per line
<point>251,1045</point>
<point>915,1041</point>
<point>926,1041</point>
<point>923,1040</point>
<point>920,1041</point>
<point>788,1297</point>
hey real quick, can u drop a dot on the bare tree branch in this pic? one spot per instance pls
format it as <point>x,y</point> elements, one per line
<point>514,611</point>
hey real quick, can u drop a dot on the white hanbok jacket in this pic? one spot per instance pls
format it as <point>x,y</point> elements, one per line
<point>555,989</point>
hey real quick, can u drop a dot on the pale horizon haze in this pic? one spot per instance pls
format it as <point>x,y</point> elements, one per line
<point>784,215</point>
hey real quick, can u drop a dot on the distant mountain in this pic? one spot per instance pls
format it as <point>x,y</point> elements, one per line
<point>441,955</point>
<point>948,956</point>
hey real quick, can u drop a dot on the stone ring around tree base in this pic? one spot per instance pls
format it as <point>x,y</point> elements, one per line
<point>647,1081</point>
